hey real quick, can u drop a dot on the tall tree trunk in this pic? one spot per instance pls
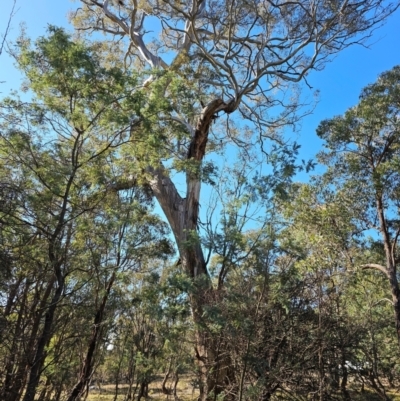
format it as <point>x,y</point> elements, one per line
<point>391,268</point>
<point>183,217</point>
<point>131,375</point>
<point>394,286</point>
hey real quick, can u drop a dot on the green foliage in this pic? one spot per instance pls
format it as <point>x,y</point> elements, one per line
<point>364,145</point>
<point>285,312</point>
<point>73,239</point>
<point>69,78</point>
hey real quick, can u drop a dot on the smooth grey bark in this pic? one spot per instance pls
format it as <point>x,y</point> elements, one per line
<point>183,215</point>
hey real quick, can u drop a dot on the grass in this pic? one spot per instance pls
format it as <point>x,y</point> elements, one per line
<point>186,392</point>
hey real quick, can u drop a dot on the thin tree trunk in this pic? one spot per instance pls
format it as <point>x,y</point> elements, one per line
<point>11,296</point>
<point>117,376</point>
<point>175,383</point>
<point>56,264</point>
<point>144,390</point>
<point>44,393</point>
<point>13,382</point>
<point>20,376</point>
<point>87,369</point>
<point>164,388</point>
<point>394,286</point>
<point>131,375</point>
<point>58,394</point>
<point>343,383</point>
<point>390,264</point>
<point>40,355</point>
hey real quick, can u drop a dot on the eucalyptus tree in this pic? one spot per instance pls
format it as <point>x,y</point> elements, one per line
<point>211,59</point>
<point>59,157</point>
<point>120,238</point>
<point>354,343</point>
<point>363,160</point>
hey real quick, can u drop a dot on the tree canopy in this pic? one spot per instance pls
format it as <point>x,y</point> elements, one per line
<point>274,290</point>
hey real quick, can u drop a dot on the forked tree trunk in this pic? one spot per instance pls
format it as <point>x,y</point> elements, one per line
<point>183,217</point>
<point>164,388</point>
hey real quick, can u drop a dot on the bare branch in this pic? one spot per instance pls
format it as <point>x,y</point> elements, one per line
<point>377,267</point>
<point>12,13</point>
<point>184,123</point>
<point>243,42</point>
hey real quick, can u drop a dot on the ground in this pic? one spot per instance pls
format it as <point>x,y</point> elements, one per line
<point>186,392</point>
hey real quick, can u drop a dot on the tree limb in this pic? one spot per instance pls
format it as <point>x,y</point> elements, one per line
<point>377,267</point>
<point>12,13</point>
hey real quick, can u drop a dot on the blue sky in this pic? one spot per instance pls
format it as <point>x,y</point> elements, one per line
<point>339,83</point>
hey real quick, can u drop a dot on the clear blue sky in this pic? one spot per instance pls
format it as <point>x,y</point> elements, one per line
<point>339,83</point>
